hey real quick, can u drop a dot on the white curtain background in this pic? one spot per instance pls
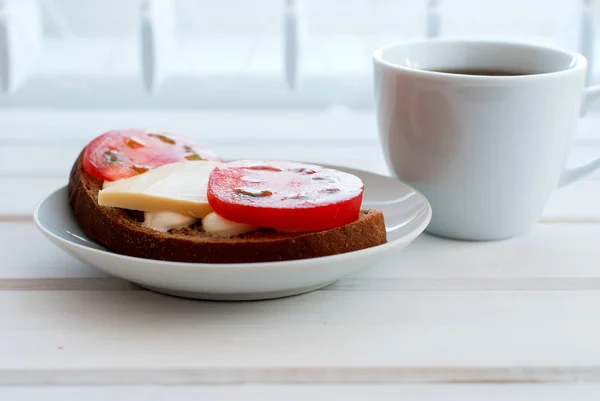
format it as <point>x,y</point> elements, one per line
<point>240,54</point>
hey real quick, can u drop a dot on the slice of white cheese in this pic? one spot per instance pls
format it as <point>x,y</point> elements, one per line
<point>165,221</point>
<point>218,226</point>
<point>177,187</point>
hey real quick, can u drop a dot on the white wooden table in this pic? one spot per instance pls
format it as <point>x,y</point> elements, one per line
<point>510,320</point>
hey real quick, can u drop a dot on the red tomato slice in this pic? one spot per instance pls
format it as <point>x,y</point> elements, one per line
<point>115,155</point>
<point>285,195</point>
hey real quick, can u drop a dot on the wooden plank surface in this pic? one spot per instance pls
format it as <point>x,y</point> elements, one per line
<point>530,262</point>
<point>335,122</point>
<point>54,137</point>
<point>62,125</point>
<point>106,337</point>
<point>520,310</point>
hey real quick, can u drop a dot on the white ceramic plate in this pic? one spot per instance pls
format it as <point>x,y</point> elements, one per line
<point>406,212</point>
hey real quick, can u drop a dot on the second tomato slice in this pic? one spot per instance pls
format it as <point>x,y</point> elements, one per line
<point>285,195</point>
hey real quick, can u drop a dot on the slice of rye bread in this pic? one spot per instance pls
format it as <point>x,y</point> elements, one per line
<point>121,231</point>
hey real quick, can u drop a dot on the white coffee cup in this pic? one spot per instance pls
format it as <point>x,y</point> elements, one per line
<point>486,151</point>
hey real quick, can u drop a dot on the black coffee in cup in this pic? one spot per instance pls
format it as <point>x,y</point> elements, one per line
<point>480,71</point>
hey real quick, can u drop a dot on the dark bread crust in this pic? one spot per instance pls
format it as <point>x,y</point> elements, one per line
<point>123,234</point>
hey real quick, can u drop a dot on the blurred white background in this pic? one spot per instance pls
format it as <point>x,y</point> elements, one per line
<point>239,54</point>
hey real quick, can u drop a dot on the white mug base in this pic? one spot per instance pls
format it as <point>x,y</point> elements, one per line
<point>466,235</point>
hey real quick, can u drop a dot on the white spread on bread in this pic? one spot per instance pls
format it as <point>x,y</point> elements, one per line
<point>165,221</point>
<point>172,197</point>
<point>106,184</point>
<point>217,226</point>
<point>177,187</point>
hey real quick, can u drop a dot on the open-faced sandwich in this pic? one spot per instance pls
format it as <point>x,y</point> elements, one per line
<point>161,196</point>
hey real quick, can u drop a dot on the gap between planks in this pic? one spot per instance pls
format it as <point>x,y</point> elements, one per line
<point>345,284</point>
<point>301,374</point>
<point>16,218</point>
